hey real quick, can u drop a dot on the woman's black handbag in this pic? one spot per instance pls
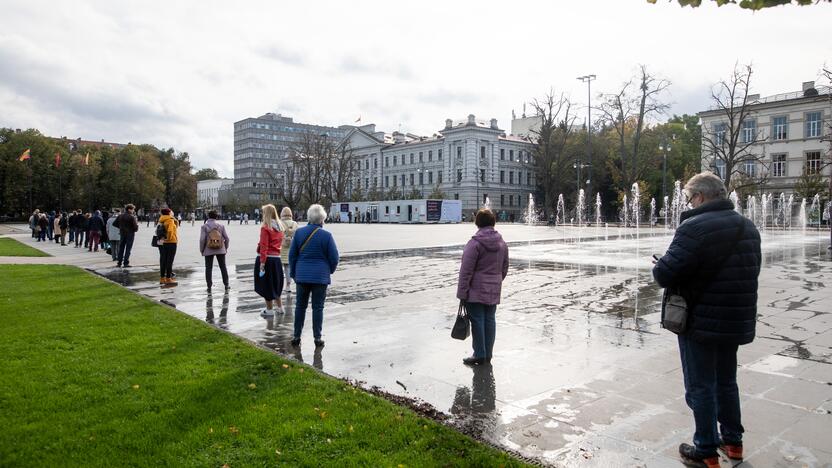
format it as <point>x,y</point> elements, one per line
<point>462,326</point>
<point>154,241</point>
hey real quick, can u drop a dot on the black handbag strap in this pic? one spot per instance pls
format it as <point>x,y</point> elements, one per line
<point>308,238</point>
<point>721,262</point>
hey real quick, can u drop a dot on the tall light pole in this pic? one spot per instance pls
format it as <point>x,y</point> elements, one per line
<point>588,80</point>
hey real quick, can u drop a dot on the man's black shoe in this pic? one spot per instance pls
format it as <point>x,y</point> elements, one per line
<point>319,343</point>
<point>127,265</point>
<point>690,457</point>
<point>296,342</point>
<point>472,361</point>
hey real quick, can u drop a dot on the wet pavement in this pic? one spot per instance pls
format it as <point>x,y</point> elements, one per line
<point>582,373</point>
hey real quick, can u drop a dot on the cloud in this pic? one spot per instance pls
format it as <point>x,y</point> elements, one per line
<point>283,55</point>
<point>370,66</point>
<point>442,97</point>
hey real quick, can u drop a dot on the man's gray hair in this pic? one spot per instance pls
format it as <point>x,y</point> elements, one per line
<point>315,214</point>
<point>708,184</point>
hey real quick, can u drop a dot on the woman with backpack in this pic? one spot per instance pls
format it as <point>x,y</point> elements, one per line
<point>213,242</point>
<point>268,272</point>
<point>167,240</point>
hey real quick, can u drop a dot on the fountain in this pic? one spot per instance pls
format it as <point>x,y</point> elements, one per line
<point>735,199</point>
<point>579,208</point>
<point>801,217</point>
<point>531,214</point>
<point>678,204</point>
<point>597,209</point>
<point>653,217</point>
<point>625,212</point>
<point>636,205</point>
<point>765,209</point>
<point>560,216</point>
<point>487,204</point>
<point>814,210</point>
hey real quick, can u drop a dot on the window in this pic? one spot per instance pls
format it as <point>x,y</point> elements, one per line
<point>502,177</point>
<point>484,198</point>
<point>439,177</point>
<point>395,181</point>
<point>510,177</point>
<point>367,164</point>
<point>502,156</point>
<point>459,151</point>
<point>502,200</point>
<point>719,134</point>
<point>403,180</point>
<point>528,158</point>
<point>749,130</point>
<point>395,161</point>
<point>375,163</point>
<point>812,162</point>
<point>779,129</point>
<point>528,178</point>
<point>439,154</point>
<point>398,209</point>
<point>411,179</point>
<point>813,124</point>
<point>778,165</point>
<point>366,182</point>
<point>459,175</point>
<point>411,158</point>
<point>430,155</point>
<point>482,175</point>
<point>386,161</point>
<point>403,160</point>
<point>456,196</point>
<point>420,156</point>
<point>430,177</point>
<point>511,200</point>
<point>387,210</point>
<point>421,178</point>
<point>719,165</point>
<point>511,155</point>
<point>386,181</point>
<point>375,181</point>
<point>482,152</point>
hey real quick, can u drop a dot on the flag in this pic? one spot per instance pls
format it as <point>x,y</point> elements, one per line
<point>358,119</point>
<point>25,155</point>
<point>57,159</point>
<point>87,159</point>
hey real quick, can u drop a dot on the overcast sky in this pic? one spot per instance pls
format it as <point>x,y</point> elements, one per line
<point>178,74</point>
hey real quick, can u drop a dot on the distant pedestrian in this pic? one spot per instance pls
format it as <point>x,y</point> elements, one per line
<point>114,233</point>
<point>96,227</point>
<point>268,273</point>
<point>313,257</point>
<point>85,225</point>
<point>43,227</point>
<point>167,247</point>
<point>64,225</point>
<point>213,242</point>
<point>289,234</point>
<point>481,274</point>
<point>33,223</point>
<point>56,228</point>
<point>51,226</point>
<point>127,225</point>
<point>714,263</point>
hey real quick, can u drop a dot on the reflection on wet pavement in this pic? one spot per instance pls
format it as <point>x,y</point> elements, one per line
<point>582,374</point>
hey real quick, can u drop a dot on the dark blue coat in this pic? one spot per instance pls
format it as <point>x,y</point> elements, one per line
<point>725,301</point>
<point>318,259</point>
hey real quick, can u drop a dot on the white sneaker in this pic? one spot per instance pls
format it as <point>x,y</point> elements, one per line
<point>267,313</point>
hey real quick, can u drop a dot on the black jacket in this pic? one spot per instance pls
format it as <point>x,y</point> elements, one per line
<point>96,223</point>
<point>724,302</point>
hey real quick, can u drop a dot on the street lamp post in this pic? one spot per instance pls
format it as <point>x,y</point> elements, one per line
<point>588,80</point>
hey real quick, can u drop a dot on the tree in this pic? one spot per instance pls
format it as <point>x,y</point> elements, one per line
<point>627,112</point>
<point>437,193</point>
<point>730,145</point>
<point>550,139</point>
<point>180,184</point>
<point>206,174</point>
<point>311,156</point>
<point>747,4</point>
<point>340,170</point>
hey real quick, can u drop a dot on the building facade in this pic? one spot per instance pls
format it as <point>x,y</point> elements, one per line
<point>471,161</point>
<point>788,134</point>
<point>261,147</point>
<point>208,193</point>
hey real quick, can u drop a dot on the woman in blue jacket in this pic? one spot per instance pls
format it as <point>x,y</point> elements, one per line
<point>313,257</point>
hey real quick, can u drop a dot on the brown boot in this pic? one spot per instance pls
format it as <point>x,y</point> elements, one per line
<point>171,281</point>
<point>163,280</point>
<point>734,452</point>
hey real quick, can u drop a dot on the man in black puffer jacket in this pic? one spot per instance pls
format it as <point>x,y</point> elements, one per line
<point>714,260</point>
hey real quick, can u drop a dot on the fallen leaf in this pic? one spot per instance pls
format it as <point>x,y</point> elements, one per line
<point>136,387</point>
<point>323,414</point>
<point>210,430</point>
<point>350,428</point>
<point>329,441</point>
<point>300,370</point>
<point>278,452</point>
<point>285,366</point>
<point>225,465</point>
<point>233,430</point>
<point>252,386</point>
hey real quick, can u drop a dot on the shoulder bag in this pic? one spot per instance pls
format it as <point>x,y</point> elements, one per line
<point>676,309</point>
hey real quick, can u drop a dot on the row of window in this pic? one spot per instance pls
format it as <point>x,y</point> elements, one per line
<point>812,164</point>
<point>412,158</point>
<point>812,128</point>
<point>522,156</point>
<point>282,128</point>
<point>404,177</point>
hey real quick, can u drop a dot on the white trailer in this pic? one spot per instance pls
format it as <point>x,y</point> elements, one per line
<point>398,211</point>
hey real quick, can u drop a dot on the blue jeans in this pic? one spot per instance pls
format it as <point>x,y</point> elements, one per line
<point>483,328</point>
<point>710,371</point>
<point>318,293</point>
<point>124,248</point>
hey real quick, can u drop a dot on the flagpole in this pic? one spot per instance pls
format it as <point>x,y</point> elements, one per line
<point>31,176</point>
<point>60,189</point>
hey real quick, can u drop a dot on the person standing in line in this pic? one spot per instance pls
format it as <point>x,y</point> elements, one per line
<point>96,227</point>
<point>50,228</point>
<point>127,225</point>
<point>114,234</point>
<point>714,262</point>
<point>213,242</point>
<point>56,228</point>
<point>167,247</point>
<point>43,227</point>
<point>33,223</point>
<point>291,226</point>
<point>64,224</point>
<point>86,227</point>
<point>313,258</point>
<point>268,273</point>
<point>481,274</point>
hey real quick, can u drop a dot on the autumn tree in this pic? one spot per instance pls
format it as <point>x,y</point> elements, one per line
<point>550,140</point>
<point>747,4</point>
<point>206,173</point>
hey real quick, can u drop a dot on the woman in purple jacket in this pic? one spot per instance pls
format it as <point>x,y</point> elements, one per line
<point>484,267</point>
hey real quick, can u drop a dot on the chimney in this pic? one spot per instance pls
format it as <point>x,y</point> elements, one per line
<point>472,120</point>
<point>494,124</point>
<point>448,123</point>
<point>807,85</point>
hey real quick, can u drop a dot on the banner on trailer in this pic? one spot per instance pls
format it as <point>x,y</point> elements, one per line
<point>345,207</point>
<point>434,210</point>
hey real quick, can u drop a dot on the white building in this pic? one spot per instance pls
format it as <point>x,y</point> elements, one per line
<point>467,160</point>
<point>208,191</point>
<point>792,134</point>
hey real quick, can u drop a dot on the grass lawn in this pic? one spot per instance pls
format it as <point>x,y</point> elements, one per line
<point>95,375</point>
<point>12,248</point>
